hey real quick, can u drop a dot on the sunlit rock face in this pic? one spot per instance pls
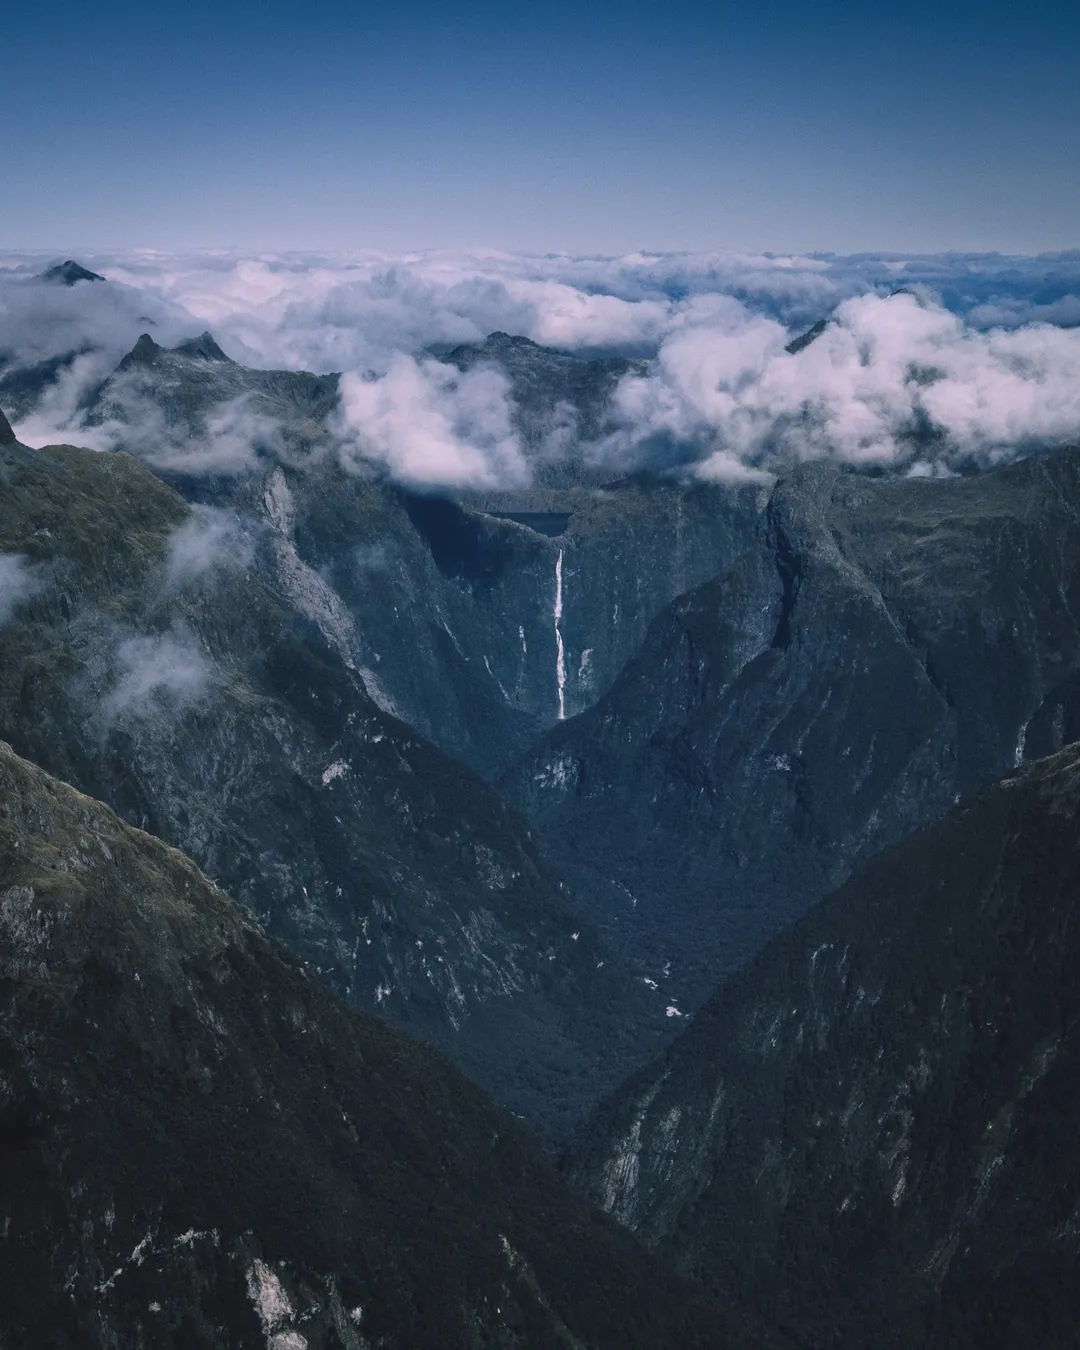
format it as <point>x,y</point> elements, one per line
<point>201,1146</point>
<point>879,649</point>
<point>869,1131</point>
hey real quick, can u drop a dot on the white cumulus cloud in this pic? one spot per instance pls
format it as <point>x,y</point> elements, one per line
<point>433,426</point>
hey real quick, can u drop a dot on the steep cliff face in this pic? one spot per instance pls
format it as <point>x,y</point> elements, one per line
<point>147,660</point>
<point>469,619</point>
<point>871,1130</point>
<point>880,649</point>
<point>446,603</point>
<point>201,1146</point>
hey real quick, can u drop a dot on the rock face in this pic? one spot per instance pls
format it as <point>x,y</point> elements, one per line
<point>447,605</point>
<point>201,1146</point>
<point>146,659</point>
<point>871,1130</point>
<point>477,626</point>
<point>880,649</point>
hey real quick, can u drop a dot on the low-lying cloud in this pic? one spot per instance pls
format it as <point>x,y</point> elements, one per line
<point>229,439</point>
<point>156,673</point>
<point>209,539</point>
<point>19,580</point>
<point>433,426</point>
<point>975,361</point>
<point>892,382</point>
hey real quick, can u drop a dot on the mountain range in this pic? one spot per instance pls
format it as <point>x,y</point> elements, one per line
<point>724,833</point>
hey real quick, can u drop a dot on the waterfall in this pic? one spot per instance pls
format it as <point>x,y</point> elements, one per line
<point>560,657</point>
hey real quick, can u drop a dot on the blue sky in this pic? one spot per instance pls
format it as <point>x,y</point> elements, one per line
<point>560,127</point>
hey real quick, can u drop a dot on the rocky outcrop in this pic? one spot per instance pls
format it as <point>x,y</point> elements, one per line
<point>69,273</point>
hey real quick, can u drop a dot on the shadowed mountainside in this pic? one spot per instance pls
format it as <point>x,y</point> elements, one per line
<point>144,660</point>
<point>870,1131</point>
<point>445,603</point>
<point>880,649</point>
<point>202,1147</point>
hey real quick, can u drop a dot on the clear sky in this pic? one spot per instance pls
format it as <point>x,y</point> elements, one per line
<point>563,126</point>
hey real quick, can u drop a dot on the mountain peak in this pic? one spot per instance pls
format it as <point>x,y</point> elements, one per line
<point>69,272</point>
<point>204,348</point>
<point>804,340</point>
<point>7,436</point>
<point>500,339</point>
<point>144,353</point>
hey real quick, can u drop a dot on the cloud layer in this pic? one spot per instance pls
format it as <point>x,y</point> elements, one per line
<point>892,382</point>
<point>974,361</point>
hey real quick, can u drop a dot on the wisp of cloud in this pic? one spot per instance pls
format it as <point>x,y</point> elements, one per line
<point>18,582</point>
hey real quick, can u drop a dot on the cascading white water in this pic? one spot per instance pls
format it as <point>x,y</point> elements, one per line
<point>560,657</point>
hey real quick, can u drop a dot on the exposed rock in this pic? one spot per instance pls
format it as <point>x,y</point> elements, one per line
<point>68,273</point>
<point>796,345</point>
<point>203,348</point>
